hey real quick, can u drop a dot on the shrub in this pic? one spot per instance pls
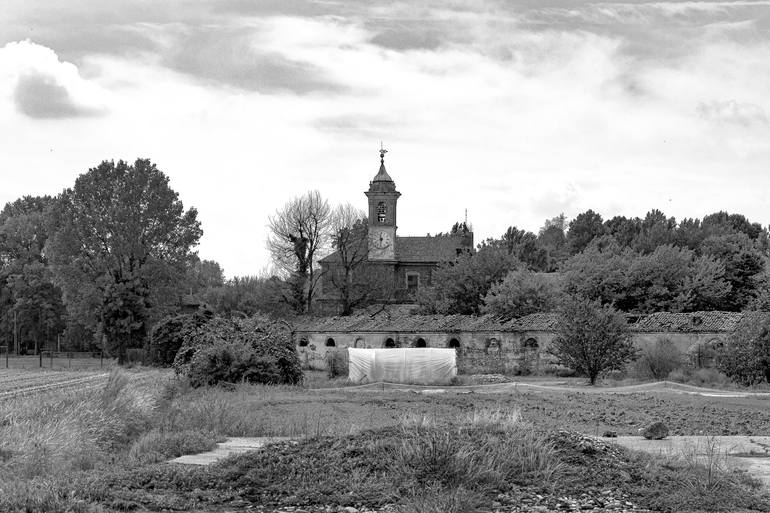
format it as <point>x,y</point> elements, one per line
<point>745,357</point>
<point>255,350</point>
<point>232,362</point>
<point>170,334</point>
<point>658,360</point>
<point>592,338</point>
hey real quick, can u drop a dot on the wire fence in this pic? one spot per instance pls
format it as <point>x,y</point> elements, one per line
<point>47,359</point>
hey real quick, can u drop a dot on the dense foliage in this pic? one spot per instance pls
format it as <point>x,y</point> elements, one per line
<point>745,357</point>
<point>257,350</point>
<point>591,338</point>
<point>171,333</point>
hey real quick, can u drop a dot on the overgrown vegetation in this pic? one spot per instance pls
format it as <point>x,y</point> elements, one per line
<point>86,451</point>
<point>745,358</point>
<point>254,350</point>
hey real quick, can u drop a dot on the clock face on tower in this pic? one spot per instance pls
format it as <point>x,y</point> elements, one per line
<point>380,244</point>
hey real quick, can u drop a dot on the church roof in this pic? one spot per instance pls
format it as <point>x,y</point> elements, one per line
<point>441,248</point>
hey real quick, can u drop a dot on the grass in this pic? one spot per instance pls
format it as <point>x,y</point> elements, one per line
<point>102,451</point>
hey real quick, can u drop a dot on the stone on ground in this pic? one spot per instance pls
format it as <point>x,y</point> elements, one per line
<point>655,431</point>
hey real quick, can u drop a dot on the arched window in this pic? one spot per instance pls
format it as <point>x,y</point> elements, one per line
<point>359,342</point>
<point>530,344</point>
<point>330,342</point>
<point>382,209</point>
<point>454,344</point>
<point>420,342</point>
<point>390,343</point>
<point>493,346</point>
<point>303,342</point>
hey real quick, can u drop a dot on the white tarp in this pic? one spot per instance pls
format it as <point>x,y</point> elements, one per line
<point>415,366</point>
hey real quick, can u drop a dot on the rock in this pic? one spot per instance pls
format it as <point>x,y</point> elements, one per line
<point>610,434</point>
<point>655,431</point>
<point>349,509</point>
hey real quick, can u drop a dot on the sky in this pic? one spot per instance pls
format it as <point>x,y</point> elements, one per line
<point>514,110</point>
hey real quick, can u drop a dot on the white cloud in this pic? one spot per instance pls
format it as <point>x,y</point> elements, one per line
<point>45,87</point>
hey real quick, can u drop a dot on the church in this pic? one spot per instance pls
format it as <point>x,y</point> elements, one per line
<point>394,267</point>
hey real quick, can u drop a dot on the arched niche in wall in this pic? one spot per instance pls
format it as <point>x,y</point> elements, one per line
<point>330,342</point>
<point>359,342</point>
<point>493,346</point>
<point>531,344</point>
<point>420,342</point>
<point>303,342</point>
<point>454,343</point>
<point>389,343</point>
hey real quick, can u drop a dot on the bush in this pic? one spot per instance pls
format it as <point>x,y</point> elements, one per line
<point>745,357</point>
<point>658,360</point>
<point>232,362</point>
<point>255,350</point>
<point>170,334</point>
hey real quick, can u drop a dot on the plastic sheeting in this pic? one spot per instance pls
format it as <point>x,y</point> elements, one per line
<point>414,366</point>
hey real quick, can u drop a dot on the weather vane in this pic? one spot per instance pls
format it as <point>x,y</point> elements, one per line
<point>383,151</point>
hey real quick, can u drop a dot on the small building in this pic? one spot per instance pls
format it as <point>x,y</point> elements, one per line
<point>488,344</point>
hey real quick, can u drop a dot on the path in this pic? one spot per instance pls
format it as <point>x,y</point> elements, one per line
<point>228,448</point>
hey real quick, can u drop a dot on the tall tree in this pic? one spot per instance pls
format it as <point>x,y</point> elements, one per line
<point>126,239</point>
<point>655,230</point>
<point>299,233</point>
<point>349,239</point>
<point>552,238</point>
<point>30,303</point>
<point>583,229</point>
<point>743,264</point>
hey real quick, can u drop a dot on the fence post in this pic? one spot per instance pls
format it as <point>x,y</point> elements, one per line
<point>101,358</point>
<point>6,355</point>
<point>51,359</point>
<point>40,355</point>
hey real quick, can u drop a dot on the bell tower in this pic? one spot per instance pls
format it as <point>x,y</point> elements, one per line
<point>382,196</point>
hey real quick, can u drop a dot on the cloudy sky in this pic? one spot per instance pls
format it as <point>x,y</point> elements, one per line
<point>516,110</point>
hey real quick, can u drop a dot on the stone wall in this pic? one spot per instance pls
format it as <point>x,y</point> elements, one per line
<point>523,352</point>
<point>478,352</point>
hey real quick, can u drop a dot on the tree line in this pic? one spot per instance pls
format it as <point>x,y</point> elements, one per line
<point>636,265</point>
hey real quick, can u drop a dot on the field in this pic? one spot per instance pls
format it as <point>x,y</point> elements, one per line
<point>100,444</point>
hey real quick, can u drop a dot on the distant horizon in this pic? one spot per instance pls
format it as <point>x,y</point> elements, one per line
<point>515,111</point>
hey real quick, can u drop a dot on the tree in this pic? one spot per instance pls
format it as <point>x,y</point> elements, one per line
<point>591,338</point>
<point>521,293</point>
<point>583,229</point>
<point>743,264</point>
<point>122,249</point>
<point>29,301</point>
<point>203,275</point>
<point>745,357</point>
<point>349,239</point>
<point>299,232</point>
<point>599,272</point>
<point>459,287</point>
<point>245,296</point>
<point>553,240</point>
<point>524,246</point>
<point>623,229</point>
<point>654,230</point>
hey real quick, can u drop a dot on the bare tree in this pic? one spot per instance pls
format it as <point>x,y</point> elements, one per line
<point>299,233</point>
<point>349,238</point>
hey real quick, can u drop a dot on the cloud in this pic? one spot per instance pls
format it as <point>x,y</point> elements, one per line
<point>43,87</point>
<point>233,57</point>
<point>40,96</point>
<point>731,111</point>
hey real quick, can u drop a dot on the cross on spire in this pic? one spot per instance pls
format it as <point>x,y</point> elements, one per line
<point>383,151</point>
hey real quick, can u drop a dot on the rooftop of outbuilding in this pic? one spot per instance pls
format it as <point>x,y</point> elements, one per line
<point>402,318</point>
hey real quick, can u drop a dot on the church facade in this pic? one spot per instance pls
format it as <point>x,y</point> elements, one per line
<point>393,268</point>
